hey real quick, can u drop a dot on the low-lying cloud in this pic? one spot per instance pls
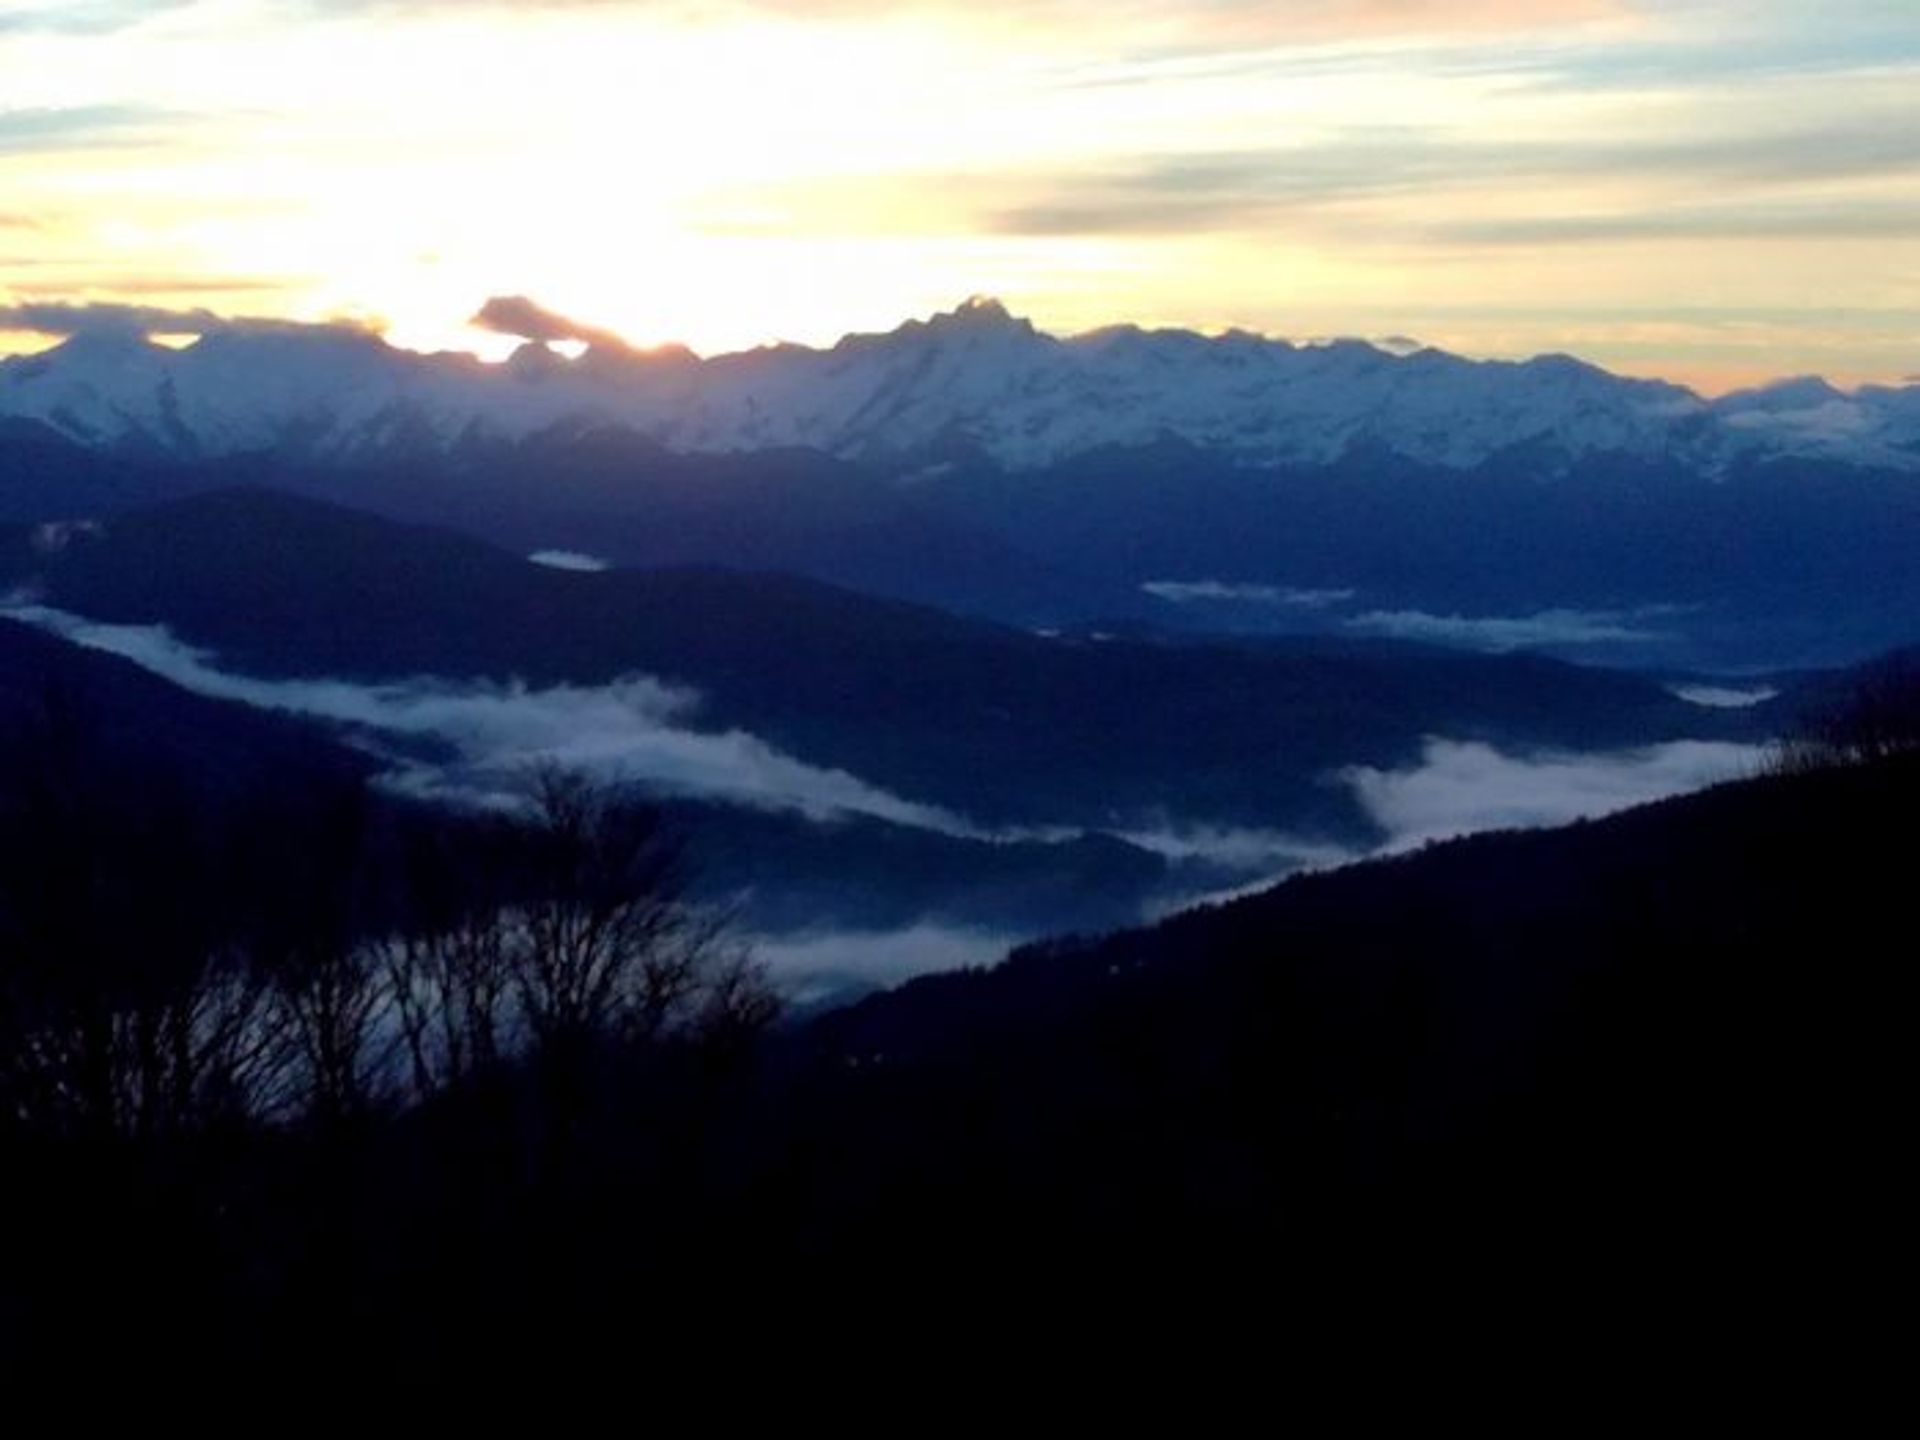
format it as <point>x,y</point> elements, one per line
<point>569,560</point>
<point>816,967</point>
<point>1725,697</point>
<point>634,731</point>
<point>1191,592</point>
<point>473,743</point>
<point>1459,788</point>
<point>1513,632</point>
<point>1235,847</point>
<point>484,737</point>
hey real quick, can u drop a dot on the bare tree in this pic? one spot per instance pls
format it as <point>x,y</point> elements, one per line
<point>141,992</point>
<point>446,960</point>
<point>562,936</point>
<point>607,949</point>
<point>334,1007</point>
<point>123,1010</point>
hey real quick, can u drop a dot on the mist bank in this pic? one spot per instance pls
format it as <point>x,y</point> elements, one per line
<point>847,886</point>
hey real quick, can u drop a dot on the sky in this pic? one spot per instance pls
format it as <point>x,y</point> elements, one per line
<point>1716,191</point>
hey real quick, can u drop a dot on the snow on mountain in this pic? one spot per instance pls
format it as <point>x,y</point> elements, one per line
<point>1807,414</point>
<point>975,378</point>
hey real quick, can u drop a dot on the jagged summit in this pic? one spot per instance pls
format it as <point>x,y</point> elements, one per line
<point>976,317</point>
<point>982,312</point>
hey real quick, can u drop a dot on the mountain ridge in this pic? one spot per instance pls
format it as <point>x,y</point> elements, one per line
<point>975,379</point>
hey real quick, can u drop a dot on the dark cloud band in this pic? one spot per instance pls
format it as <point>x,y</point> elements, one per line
<point>58,317</point>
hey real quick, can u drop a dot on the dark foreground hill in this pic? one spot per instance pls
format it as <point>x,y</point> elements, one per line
<point>1665,1050</point>
<point>1639,1073</point>
<point>131,729</point>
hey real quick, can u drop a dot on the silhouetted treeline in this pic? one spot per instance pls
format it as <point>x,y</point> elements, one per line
<point>227,1021</point>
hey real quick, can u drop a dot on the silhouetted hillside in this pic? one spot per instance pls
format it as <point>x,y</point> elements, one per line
<point>134,728</point>
<point>1667,1042</point>
<point>1554,1073</point>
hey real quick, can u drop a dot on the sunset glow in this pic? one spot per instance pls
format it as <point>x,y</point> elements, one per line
<point>1709,190</point>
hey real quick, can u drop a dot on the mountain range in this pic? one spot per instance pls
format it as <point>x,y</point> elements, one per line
<point>1122,480</point>
<point>973,381</point>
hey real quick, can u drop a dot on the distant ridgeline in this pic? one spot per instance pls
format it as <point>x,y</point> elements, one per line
<point>1156,477</point>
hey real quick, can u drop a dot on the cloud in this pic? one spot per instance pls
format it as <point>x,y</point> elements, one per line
<point>1258,21</point>
<point>1271,851</point>
<point>1513,632</point>
<point>83,17</point>
<point>1854,220</point>
<point>474,742</point>
<point>568,560</point>
<point>820,967</point>
<point>53,536</point>
<point>518,315</point>
<point>1725,697</point>
<point>1234,189</point>
<point>1776,38</point>
<point>68,127</point>
<point>1188,592</point>
<point>1455,790</point>
<point>1835,422</point>
<point>171,285</point>
<point>59,317</point>
<point>1461,788</point>
<point>636,731</point>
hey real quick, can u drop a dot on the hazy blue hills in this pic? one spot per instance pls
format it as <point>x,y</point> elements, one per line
<point>992,723</point>
<point>1772,560</point>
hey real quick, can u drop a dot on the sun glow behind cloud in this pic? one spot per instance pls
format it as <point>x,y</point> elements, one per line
<point>1702,188</point>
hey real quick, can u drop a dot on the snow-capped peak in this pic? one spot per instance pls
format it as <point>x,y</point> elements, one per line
<point>1800,392</point>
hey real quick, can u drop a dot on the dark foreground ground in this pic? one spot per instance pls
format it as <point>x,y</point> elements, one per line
<point>1646,1072</point>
